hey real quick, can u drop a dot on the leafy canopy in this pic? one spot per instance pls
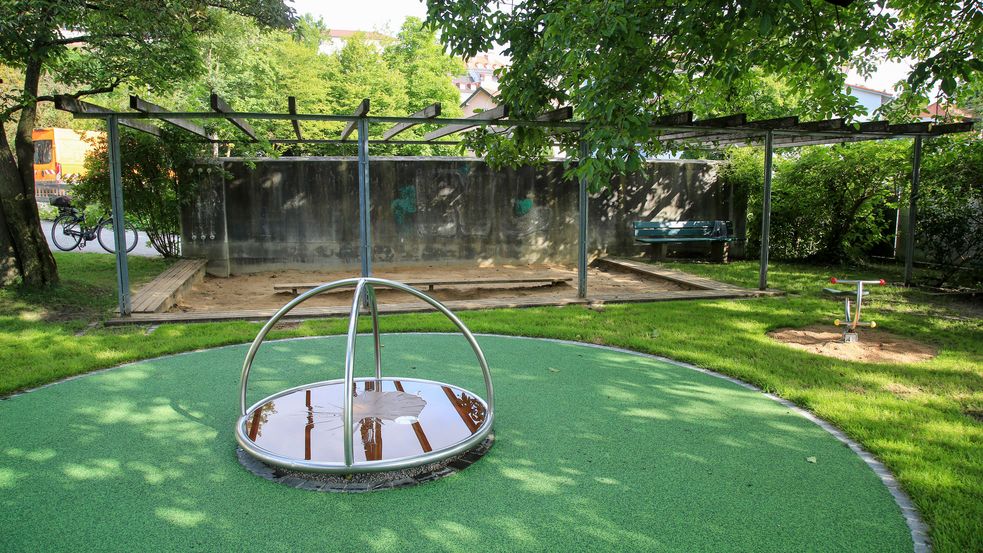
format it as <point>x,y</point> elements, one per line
<point>622,62</point>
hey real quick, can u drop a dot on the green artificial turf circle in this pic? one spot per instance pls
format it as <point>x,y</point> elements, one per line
<point>595,449</point>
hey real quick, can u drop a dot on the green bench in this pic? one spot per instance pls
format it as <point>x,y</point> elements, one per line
<point>718,234</point>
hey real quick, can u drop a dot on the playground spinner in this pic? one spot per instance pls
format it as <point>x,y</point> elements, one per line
<point>371,424</point>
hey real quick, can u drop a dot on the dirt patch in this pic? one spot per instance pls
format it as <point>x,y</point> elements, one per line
<point>875,345</point>
<point>255,291</point>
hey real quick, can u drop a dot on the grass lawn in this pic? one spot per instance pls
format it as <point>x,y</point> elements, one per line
<point>918,418</point>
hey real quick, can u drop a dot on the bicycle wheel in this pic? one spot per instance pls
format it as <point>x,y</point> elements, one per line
<point>107,239</point>
<point>66,232</point>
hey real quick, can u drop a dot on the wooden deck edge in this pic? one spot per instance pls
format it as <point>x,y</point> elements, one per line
<point>679,277</point>
<point>163,295</point>
<point>301,313</point>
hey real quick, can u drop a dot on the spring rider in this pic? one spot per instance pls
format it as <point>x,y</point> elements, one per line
<point>852,316</point>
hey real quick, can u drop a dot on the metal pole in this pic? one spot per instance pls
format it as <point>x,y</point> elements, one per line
<point>119,228</point>
<point>909,246</point>
<point>364,223</point>
<point>582,236</point>
<point>766,213</point>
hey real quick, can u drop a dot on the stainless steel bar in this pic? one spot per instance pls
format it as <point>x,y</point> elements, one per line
<point>347,415</point>
<point>374,311</point>
<point>766,212</point>
<point>119,222</point>
<point>909,249</point>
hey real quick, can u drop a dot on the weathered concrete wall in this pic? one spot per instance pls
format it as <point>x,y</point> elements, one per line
<point>303,213</point>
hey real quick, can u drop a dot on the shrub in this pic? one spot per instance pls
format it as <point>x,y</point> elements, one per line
<point>829,203</point>
<point>159,177</point>
<point>950,207</point>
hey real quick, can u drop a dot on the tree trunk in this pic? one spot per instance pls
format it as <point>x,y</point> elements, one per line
<point>22,224</point>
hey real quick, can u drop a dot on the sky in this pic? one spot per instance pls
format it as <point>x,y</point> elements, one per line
<point>388,16</point>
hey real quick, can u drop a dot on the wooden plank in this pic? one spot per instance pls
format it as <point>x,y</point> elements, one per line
<point>429,112</point>
<point>965,126</point>
<point>302,313</point>
<point>361,111</point>
<point>292,108</point>
<point>493,114</point>
<point>295,286</point>
<point>823,125</point>
<point>164,291</point>
<point>673,119</point>
<point>908,128</point>
<point>559,114</point>
<point>65,102</point>
<point>146,107</point>
<point>734,120</point>
<point>219,106</point>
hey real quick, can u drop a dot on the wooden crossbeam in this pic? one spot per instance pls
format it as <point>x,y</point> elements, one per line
<point>737,137</point>
<point>361,111</point>
<point>429,112</point>
<point>952,127</point>
<point>776,123</point>
<point>292,108</point>
<point>559,114</point>
<point>146,107</point>
<point>873,126</point>
<point>674,119</point>
<point>71,104</point>
<point>219,106</point>
<point>734,120</point>
<point>823,125</point>
<point>493,114</point>
<point>908,128</point>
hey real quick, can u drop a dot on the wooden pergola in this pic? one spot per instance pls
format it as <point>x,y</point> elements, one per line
<point>676,131</point>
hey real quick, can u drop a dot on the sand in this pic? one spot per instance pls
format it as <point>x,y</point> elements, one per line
<point>255,291</point>
<point>875,345</point>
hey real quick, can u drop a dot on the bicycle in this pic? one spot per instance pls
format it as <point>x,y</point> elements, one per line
<point>69,231</point>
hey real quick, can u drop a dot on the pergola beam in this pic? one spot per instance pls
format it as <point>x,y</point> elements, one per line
<point>71,104</point>
<point>146,107</point>
<point>219,106</point>
<point>429,112</point>
<point>558,114</point>
<point>493,114</point>
<point>361,111</point>
<point>734,120</point>
<point>292,108</point>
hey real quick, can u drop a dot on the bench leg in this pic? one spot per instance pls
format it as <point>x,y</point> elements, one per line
<point>657,252</point>
<point>719,251</point>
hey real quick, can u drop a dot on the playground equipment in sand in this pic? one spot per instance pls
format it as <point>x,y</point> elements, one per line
<point>851,320</point>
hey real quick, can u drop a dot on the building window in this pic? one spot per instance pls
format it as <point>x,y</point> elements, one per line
<point>42,152</point>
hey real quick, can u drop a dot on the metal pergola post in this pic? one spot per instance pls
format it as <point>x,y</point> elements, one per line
<point>909,249</point>
<point>364,222</point>
<point>119,232</point>
<point>766,213</point>
<point>582,200</point>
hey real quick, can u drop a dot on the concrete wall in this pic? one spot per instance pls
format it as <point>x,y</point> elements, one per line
<point>303,213</point>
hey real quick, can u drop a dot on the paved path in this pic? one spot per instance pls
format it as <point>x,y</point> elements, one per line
<point>143,248</point>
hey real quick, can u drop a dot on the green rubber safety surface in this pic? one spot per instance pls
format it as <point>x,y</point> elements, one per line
<point>595,450</point>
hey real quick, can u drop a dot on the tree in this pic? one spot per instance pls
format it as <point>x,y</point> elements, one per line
<point>621,62</point>
<point>88,47</point>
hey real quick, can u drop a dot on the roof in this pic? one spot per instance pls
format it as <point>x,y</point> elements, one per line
<point>346,34</point>
<point>491,93</point>
<point>938,110</point>
<point>873,90</point>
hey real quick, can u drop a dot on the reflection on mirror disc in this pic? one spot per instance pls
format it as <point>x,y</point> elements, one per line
<point>392,418</point>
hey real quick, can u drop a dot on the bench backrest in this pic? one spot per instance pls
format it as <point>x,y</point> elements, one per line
<point>683,229</point>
